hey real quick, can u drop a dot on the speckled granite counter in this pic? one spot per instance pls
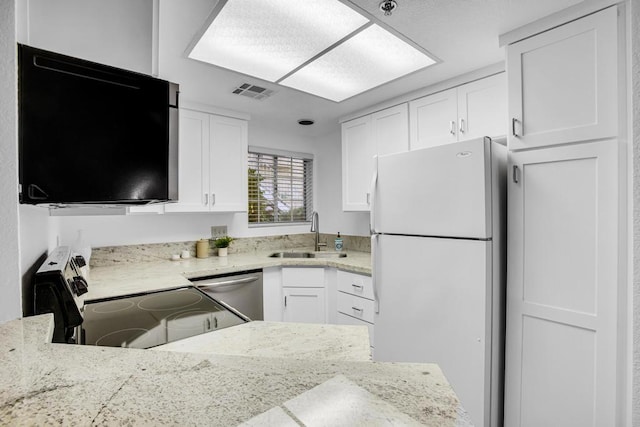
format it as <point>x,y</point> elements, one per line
<point>128,278</point>
<point>277,339</point>
<point>43,383</point>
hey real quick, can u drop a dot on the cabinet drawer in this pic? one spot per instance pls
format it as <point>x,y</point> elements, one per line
<point>355,284</point>
<point>303,277</point>
<point>343,319</point>
<point>358,307</point>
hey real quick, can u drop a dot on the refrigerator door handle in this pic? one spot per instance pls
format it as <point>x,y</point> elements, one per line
<point>372,206</point>
<point>374,273</point>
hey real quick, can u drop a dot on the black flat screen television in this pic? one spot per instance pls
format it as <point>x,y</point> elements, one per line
<point>94,134</point>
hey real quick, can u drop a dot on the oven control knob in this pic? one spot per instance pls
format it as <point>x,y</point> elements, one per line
<point>80,261</point>
<point>80,285</point>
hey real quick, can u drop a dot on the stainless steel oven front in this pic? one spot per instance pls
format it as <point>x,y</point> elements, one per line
<point>240,290</point>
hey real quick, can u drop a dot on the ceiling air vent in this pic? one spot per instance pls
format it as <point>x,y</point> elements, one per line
<point>253,91</point>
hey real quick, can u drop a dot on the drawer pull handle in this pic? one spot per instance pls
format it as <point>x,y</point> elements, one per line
<point>356,286</point>
<point>357,309</point>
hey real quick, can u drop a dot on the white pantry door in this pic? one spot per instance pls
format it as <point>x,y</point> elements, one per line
<point>562,287</point>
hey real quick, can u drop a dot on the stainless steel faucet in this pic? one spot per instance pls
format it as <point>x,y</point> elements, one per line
<point>315,228</point>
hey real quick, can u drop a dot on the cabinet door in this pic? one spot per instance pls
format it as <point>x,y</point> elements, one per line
<point>433,120</point>
<point>482,108</point>
<point>358,149</point>
<point>228,160</point>
<point>193,163</point>
<point>391,129</point>
<point>562,287</point>
<point>304,305</point>
<point>563,83</point>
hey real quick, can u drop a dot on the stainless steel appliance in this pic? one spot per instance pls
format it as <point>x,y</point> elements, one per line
<point>241,291</point>
<point>139,321</point>
<point>439,266</point>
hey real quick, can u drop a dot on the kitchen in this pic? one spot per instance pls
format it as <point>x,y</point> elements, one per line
<point>38,232</point>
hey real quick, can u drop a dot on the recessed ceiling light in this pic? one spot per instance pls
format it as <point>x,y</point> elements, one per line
<point>322,47</point>
<point>305,122</point>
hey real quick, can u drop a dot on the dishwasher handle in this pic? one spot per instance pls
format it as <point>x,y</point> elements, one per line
<point>224,283</point>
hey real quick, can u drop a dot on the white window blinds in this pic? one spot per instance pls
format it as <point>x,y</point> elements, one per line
<point>280,187</point>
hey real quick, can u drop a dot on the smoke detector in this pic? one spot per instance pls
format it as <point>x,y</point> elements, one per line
<point>253,91</point>
<point>388,6</point>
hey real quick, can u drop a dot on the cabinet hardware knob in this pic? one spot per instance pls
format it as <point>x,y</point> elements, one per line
<point>206,199</point>
<point>461,125</point>
<point>356,286</point>
<point>357,309</point>
<point>452,127</point>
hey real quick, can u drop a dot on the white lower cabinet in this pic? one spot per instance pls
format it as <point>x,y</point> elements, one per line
<point>304,305</point>
<point>355,301</point>
<point>304,295</point>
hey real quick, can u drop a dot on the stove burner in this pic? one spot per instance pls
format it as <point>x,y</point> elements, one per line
<point>131,337</point>
<point>112,306</point>
<point>160,302</point>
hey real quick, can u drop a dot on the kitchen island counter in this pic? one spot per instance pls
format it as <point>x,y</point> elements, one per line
<point>281,339</point>
<point>44,383</point>
<point>136,277</point>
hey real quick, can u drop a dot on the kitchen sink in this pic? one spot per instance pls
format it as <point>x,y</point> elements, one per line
<point>308,255</point>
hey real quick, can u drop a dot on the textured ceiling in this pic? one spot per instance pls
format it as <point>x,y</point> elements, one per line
<point>463,34</point>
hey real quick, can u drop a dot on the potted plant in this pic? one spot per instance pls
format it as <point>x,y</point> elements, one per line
<point>222,243</point>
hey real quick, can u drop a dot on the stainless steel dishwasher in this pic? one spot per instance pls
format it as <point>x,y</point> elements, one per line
<point>241,291</point>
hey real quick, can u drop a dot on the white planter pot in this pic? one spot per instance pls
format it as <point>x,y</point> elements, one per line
<point>222,251</point>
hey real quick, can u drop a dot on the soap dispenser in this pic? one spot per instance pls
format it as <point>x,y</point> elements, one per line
<point>338,243</point>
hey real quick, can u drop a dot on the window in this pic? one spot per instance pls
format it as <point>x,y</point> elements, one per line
<point>280,186</point>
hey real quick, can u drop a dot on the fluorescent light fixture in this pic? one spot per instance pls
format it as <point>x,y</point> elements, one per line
<point>322,47</point>
<point>370,58</point>
<point>270,38</point>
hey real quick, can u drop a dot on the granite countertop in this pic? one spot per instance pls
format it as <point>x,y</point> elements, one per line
<point>279,339</point>
<point>44,383</point>
<point>134,277</point>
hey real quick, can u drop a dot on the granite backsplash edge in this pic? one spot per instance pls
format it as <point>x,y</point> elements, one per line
<point>150,252</point>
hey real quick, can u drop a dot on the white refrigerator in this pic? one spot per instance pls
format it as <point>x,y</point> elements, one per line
<point>438,252</point>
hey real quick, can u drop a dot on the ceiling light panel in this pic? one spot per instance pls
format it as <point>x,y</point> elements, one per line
<point>270,38</point>
<point>372,57</point>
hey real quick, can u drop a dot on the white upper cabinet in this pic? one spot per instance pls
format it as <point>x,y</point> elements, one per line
<point>358,149</point>
<point>383,132</point>
<point>563,83</point>
<point>391,130</point>
<point>482,108</point>
<point>228,164</point>
<point>433,119</point>
<point>212,164</point>
<point>469,111</point>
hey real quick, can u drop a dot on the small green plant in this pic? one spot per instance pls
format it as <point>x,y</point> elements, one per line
<point>223,242</point>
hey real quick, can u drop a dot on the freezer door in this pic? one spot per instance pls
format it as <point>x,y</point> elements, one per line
<point>438,191</point>
<point>435,298</point>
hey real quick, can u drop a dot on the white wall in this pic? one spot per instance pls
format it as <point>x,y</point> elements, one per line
<point>114,32</point>
<point>9,230</point>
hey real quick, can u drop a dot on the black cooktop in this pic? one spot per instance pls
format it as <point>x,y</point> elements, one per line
<point>154,318</point>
